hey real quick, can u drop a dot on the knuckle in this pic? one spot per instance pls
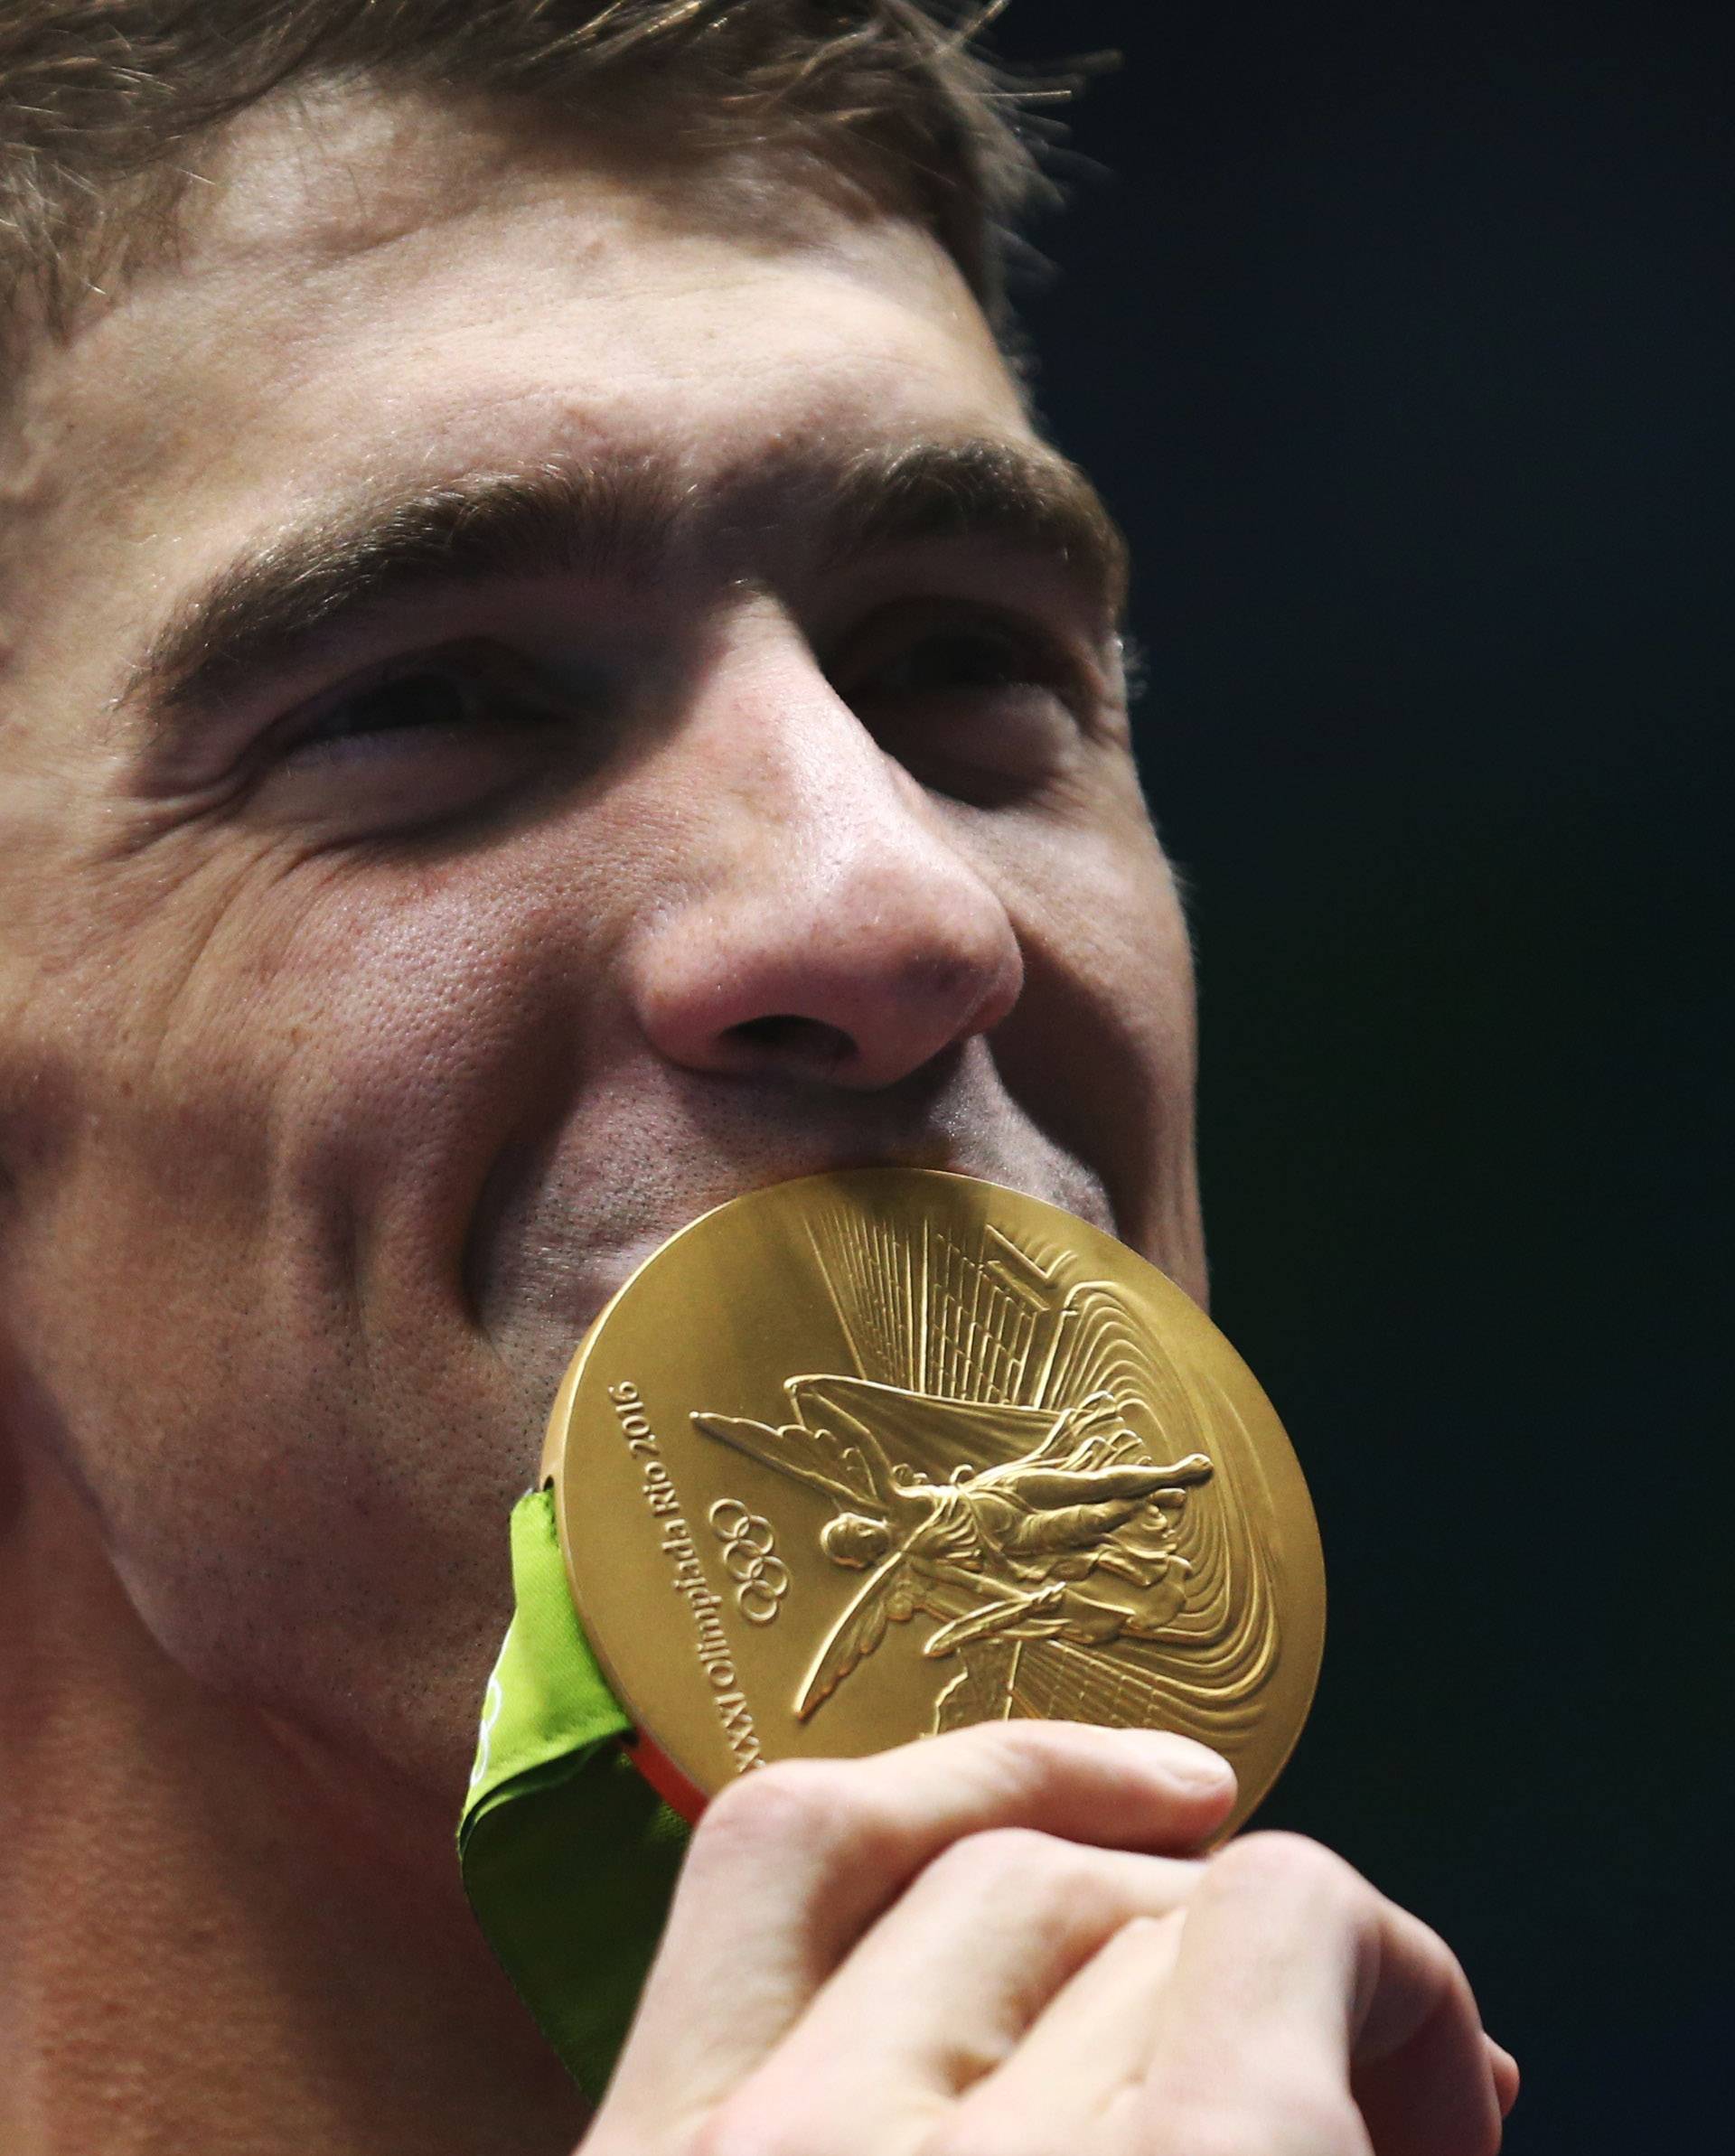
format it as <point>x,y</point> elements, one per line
<point>1275,1865</point>
<point>990,2121</point>
<point>1447,1970</point>
<point>800,1809</point>
<point>757,2121</point>
<point>1323,2120</point>
<point>1007,1860</point>
<point>1443,1975</point>
<point>1455,2009</point>
<point>981,2133</point>
<point>1302,2118</point>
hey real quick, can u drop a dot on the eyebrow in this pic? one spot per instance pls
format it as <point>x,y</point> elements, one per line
<point>261,611</point>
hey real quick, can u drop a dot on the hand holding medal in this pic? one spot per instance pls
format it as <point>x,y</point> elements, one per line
<point>899,1478</point>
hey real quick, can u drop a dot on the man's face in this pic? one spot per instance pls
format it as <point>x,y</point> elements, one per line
<point>536,693</point>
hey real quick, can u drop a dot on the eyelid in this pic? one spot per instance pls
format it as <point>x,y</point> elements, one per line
<point>1062,660</point>
<point>477,660</point>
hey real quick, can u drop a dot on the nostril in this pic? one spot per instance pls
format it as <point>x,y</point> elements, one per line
<point>795,1039</point>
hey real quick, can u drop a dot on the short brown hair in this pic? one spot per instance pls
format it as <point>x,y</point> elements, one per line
<point>105,103</point>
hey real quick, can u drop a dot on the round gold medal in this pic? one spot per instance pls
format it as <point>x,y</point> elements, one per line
<point>876,1454</point>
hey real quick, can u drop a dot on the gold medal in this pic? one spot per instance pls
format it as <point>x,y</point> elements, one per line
<point>876,1454</point>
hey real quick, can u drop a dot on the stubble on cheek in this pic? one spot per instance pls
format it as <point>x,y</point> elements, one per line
<point>234,1279</point>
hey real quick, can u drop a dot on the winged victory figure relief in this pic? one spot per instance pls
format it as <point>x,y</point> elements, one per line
<point>1071,1538</point>
<point>1001,1465</point>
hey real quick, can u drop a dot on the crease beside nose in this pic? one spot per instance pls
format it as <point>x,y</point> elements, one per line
<point>842,939</point>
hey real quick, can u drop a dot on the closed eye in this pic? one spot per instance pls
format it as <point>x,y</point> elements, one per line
<point>956,660</point>
<point>971,703</point>
<point>430,738</point>
<point>418,703</point>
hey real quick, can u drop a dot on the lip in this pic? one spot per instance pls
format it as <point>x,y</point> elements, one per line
<point>569,1211</point>
<point>603,1282</point>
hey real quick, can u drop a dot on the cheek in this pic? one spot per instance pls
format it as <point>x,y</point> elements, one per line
<point>1096,902</point>
<point>281,1082</point>
<point>1101,1049</point>
<point>237,1284</point>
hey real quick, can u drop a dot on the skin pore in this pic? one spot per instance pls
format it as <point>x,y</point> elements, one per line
<point>369,1006</point>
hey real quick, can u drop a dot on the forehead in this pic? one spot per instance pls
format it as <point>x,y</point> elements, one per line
<point>367,289</point>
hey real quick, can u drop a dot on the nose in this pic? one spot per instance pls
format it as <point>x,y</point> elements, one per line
<point>824,921</point>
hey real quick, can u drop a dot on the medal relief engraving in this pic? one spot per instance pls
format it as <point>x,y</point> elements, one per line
<point>1010,1460</point>
<point>686,1576</point>
<point>750,1559</point>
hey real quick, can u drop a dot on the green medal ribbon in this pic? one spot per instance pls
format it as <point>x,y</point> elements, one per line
<point>569,1858</point>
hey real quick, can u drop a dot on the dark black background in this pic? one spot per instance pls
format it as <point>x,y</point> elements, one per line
<point>1399,340</point>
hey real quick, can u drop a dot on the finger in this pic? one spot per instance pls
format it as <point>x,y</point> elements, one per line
<point>1086,2049</point>
<point>1093,2042</point>
<point>949,1981</point>
<point>792,1863</point>
<point>1427,2078</point>
<point>1305,2010</point>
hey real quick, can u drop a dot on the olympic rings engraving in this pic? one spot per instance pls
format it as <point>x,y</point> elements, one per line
<point>750,1559</point>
